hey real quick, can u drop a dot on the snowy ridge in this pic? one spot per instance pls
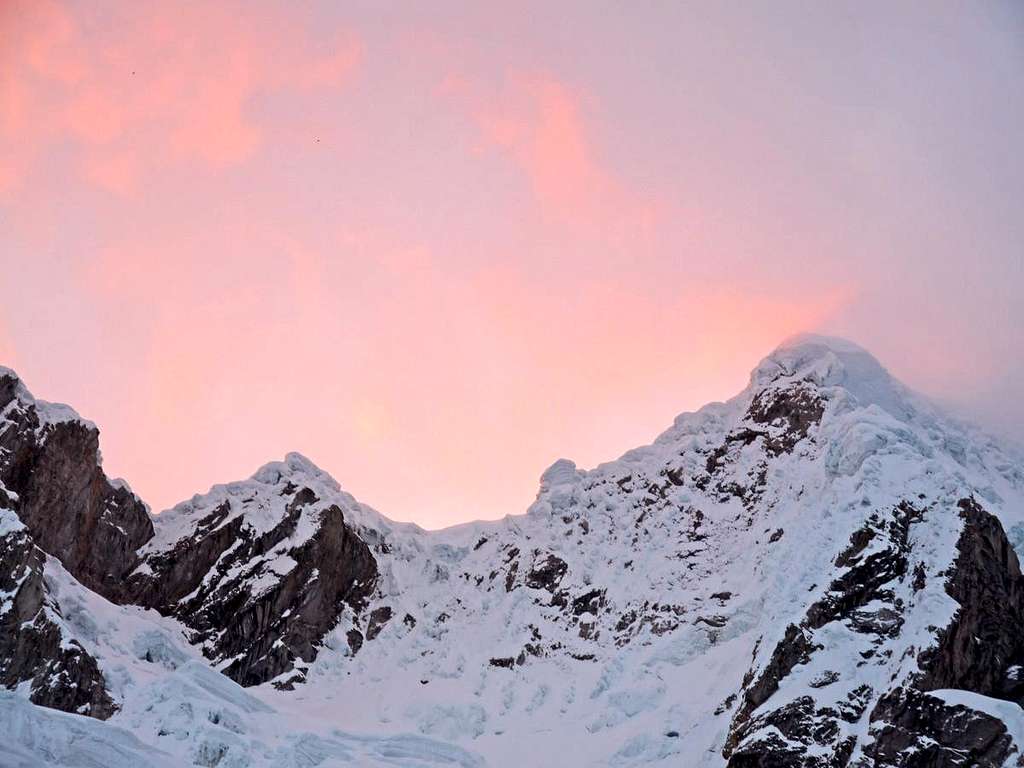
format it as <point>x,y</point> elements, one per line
<point>781,576</point>
<point>48,413</point>
<point>258,500</point>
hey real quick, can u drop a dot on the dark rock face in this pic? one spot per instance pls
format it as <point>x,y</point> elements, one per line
<point>862,598</point>
<point>72,510</point>
<point>32,647</point>
<point>915,730</point>
<point>790,412</point>
<point>379,618</point>
<point>207,580</point>
<point>52,482</point>
<point>869,579</point>
<point>795,648</point>
<point>355,641</point>
<point>179,571</point>
<point>590,602</point>
<point>50,476</point>
<point>547,573</point>
<point>978,652</point>
<point>812,724</point>
<point>777,420</point>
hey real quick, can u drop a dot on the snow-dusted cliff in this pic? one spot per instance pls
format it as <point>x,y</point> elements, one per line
<point>814,573</point>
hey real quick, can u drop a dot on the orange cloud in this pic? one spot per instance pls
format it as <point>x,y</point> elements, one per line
<point>539,122</point>
<point>547,138</point>
<point>157,84</point>
<point>613,339</point>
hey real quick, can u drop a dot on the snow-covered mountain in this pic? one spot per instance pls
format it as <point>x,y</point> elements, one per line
<point>818,572</point>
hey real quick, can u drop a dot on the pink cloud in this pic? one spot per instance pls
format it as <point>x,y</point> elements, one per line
<point>154,85</point>
<point>540,123</point>
<point>545,133</point>
<point>372,347</point>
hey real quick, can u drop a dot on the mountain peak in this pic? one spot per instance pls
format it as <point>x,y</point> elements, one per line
<point>827,362</point>
<point>294,466</point>
<point>835,344</point>
<point>12,387</point>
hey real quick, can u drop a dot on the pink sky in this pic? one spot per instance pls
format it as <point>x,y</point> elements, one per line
<point>436,249</point>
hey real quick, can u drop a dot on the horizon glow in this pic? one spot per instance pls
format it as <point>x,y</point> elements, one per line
<point>436,249</point>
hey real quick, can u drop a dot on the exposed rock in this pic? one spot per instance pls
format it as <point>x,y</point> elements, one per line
<point>795,648</point>
<point>589,602</point>
<point>355,641</point>
<point>806,730</point>
<point>62,675</point>
<point>978,652</point>
<point>825,678</point>
<point>223,582</point>
<point>546,573</point>
<point>179,571</point>
<point>914,730</point>
<point>793,410</point>
<point>50,460</point>
<point>379,618</point>
<point>219,578</point>
<point>978,649</point>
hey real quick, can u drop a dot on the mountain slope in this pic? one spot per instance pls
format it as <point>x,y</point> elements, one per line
<point>56,501</point>
<point>259,571</point>
<point>814,573</point>
<point>50,474</point>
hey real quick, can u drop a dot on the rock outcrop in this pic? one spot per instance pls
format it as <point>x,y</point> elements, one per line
<point>51,475</point>
<point>33,647</point>
<point>981,651</point>
<point>260,574</point>
<point>223,581</point>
